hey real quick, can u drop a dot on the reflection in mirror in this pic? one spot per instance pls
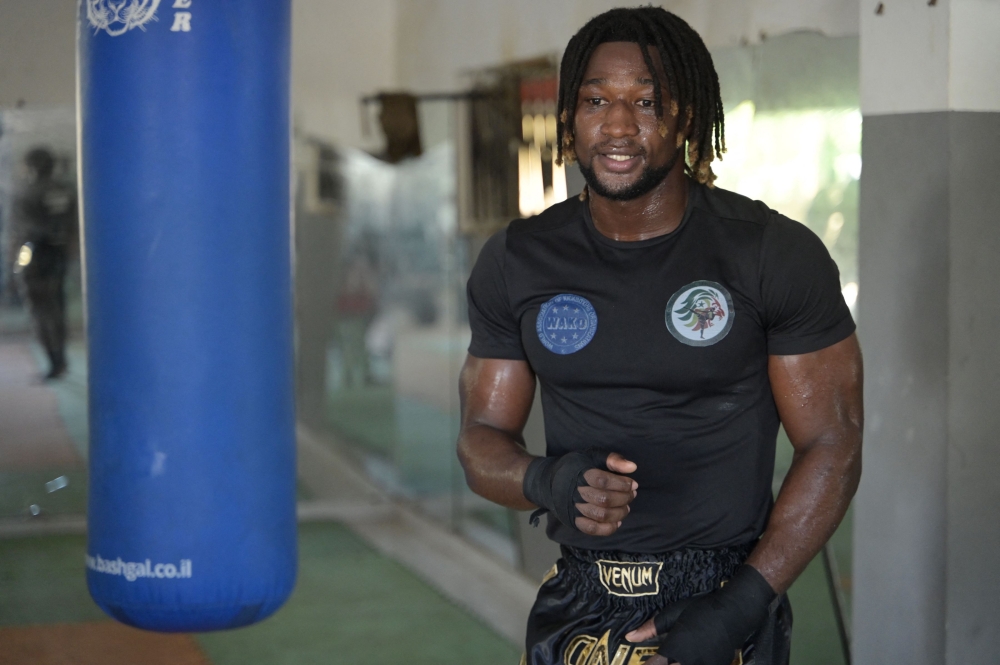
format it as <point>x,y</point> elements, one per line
<point>43,401</point>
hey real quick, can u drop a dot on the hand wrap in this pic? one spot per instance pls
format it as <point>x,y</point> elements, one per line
<point>552,483</point>
<point>709,629</point>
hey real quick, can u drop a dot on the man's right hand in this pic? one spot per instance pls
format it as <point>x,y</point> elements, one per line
<point>579,493</point>
<point>607,496</point>
<point>592,493</point>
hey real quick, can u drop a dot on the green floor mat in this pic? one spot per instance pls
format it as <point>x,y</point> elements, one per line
<point>815,640</point>
<point>42,581</point>
<point>351,606</point>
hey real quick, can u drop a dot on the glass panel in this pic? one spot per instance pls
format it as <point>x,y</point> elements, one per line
<point>43,423</point>
<point>387,362</point>
<point>806,164</point>
<point>399,334</point>
<point>398,330</point>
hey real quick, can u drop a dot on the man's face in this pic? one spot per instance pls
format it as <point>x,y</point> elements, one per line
<point>617,136</point>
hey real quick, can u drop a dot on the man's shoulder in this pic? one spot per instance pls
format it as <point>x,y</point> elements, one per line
<point>739,216</point>
<point>726,205</point>
<point>557,216</point>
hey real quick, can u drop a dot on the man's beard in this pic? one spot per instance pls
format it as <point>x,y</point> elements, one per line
<point>650,177</point>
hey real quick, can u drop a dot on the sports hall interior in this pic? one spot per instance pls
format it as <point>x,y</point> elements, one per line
<point>421,127</point>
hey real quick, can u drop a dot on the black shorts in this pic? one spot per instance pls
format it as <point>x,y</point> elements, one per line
<point>591,599</point>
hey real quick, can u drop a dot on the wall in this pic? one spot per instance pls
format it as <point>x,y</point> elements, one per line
<point>926,536</point>
<point>443,39</point>
<point>972,571</point>
<point>38,51</point>
<point>918,57</point>
<point>341,51</point>
<point>904,214</point>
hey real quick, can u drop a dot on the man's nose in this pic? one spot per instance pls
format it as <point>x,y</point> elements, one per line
<point>620,120</point>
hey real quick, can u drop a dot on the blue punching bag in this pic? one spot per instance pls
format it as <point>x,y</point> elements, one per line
<point>184,108</point>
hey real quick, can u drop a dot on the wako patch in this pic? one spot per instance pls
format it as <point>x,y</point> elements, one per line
<point>700,314</point>
<point>566,324</point>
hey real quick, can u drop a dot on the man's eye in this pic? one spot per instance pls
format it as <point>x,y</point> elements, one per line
<point>646,103</point>
<point>595,101</point>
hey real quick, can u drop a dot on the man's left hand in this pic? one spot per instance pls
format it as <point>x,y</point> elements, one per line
<point>709,629</point>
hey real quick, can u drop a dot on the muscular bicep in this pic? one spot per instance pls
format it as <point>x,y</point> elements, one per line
<point>819,394</point>
<point>496,399</point>
<point>496,393</point>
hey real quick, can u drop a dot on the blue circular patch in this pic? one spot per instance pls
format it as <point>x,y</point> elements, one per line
<point>566,324</point>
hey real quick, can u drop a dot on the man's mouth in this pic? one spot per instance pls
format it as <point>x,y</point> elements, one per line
<point>617,162</point>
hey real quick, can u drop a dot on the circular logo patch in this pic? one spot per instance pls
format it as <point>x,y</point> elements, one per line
<point>566,323</point>
<point>700,314</point>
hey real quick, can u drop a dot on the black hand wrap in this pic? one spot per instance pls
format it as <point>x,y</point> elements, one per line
<point>709,629</point>
<point>552,483</point>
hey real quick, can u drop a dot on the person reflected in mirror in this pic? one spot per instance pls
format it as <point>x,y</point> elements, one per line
<point>357,305</point>
<point>45,224</point>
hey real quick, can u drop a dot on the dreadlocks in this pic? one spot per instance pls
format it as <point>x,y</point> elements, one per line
<point>693,83</point>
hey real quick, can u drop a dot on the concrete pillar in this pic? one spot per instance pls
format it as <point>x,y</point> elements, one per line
<point>927,538</point>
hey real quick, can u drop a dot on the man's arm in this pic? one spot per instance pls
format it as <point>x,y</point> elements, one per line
<point>496,398</point>
<point>819,399</point>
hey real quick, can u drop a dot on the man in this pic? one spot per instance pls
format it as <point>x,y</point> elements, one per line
<point>47,219</point>
<point>671,326</point>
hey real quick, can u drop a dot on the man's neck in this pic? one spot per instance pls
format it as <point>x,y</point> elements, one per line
<point>653,214</point>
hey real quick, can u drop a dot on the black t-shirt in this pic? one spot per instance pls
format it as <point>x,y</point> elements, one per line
<point>657,349</point>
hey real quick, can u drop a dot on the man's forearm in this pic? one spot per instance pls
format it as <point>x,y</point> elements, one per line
<point>810,506</point>
<point>494,464</point>
<point>573,486</point>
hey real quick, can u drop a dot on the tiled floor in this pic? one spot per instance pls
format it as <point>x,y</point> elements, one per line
<point>33,435</point>
<point>98,643</point>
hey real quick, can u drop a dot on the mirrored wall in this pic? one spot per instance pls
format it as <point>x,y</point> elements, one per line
<point>44,445</point>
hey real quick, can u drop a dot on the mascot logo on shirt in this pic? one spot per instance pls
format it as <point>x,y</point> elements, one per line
<point>566,324</point>
<point>700,314</point>
<point>118,17</point>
